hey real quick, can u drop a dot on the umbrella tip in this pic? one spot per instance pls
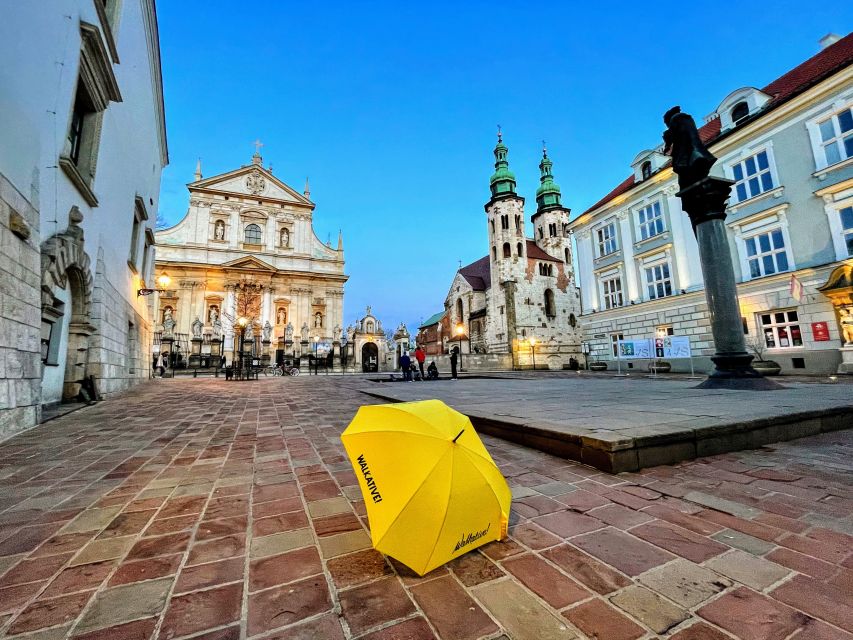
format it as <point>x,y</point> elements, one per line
<point>457,435</point>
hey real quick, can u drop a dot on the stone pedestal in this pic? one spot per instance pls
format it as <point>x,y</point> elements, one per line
<point>705,203</point>
<point>846,365</point>
<point>265,353</point>
<point>167,344</point>
<point>195,352</point>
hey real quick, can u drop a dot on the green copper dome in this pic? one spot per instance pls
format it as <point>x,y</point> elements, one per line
<point>548,193</point>
<point>502,181</point>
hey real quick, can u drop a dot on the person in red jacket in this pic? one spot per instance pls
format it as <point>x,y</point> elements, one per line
<point>420,356</point>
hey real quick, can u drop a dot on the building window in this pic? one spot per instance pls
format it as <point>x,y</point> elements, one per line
<point>836,136</point>
<point>614,343</point>
<point>658,281</point>
<point>765,253</point>
<point>494,253</point>
<point>541,233</point>
<point>147,255</point>
<point>567,254</point>
<point>752,176</point>
<point>459,310</point>
<point>507,250</point>
<point>646,170</point>
<point>550,306</point>
<point>139,216</point>
<point>519,249</point>
<point>611,292</point>
<point>552,229</point>
<point>651,221</point>
<point>546,269</point>
<point>505,222</point>
<point>739,112</point>
<point>846,215</point>
<point>781,329</point>
<point>606,239</point>
<point>664,330</point>
<point>518,223</point>
<point>492,222</point>
<point>253,234</point>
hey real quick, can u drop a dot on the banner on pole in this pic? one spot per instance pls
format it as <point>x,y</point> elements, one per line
<point>643,349</point>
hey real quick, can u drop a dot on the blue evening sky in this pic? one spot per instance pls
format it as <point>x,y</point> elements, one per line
<point>391,108</point>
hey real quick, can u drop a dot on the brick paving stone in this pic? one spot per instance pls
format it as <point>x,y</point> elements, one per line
<point>743,542</point>
<point>202,576</point>
<point>328,507</point>
<point>697,525</point>
<point>412,629</point>
<point>278,523</point>
<point>159,546</point>
<point>700,631</point>
<point>519,613</point>
<point>684,582</point>
<point>62,543</point>
<point>125,603</point>
<point>281,542</point>
<point>555,588</point>
<point>194,612</point>
<point>218,549</point>
<point>797,561</point>
<point>137,630</point>
<point>745,568</point>
<point>91,520</point>
<point>830,551</point>
<point>211,529</point>
<point>126,524</point>
<point>594,574</point>
<point>620,517</point>
<point>532,506</point>
<point>34,570</point>
<point>333,525</point>
<point>474,568</point>
<point>358,567</point>
<point>582,501</point>
<point>652,610</point>
<point>287,567</point>
<point>374,604</point>
<point>600,621</point>
<point>327,627</point>
<point>80,578</point>
<point>817,599</point>
<point>679,541</point>
<point>285,605</point>
<point>100,550</point>
<point>50,612</point>
<point>752,616</point>
<point>566,524</point>
<point>621,550</point>
<point>342,543</point>
<point>534,536</point>
<point>138,570</point>
<point>162,526</point>
<point>11,598</point>
<point>453,613</point>
<point>817,630</point>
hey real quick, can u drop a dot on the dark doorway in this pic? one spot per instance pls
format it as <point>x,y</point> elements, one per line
<point>369,358</point>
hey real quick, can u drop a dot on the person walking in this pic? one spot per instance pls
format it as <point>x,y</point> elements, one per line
<point>405,365</point>
<point>454,358</point>
<point>420,356</point>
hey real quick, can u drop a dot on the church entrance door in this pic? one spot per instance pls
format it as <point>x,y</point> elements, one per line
<point>369,358</point>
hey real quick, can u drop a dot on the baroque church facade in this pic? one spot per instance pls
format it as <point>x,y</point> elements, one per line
<point>520,300</point>
<point>247,249</point>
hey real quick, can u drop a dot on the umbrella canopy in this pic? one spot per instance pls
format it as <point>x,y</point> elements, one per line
<point>431,488</point>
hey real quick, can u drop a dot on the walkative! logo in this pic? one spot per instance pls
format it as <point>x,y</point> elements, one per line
<point>471,537</point>
<point>371,484</point>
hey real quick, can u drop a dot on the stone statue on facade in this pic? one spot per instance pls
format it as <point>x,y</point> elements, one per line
<point>350,333</point>
<point>691,161</point>
<point>288,332</point>
<point>336,333</point>
<point>846,314</point>
<point>305,331</point>
<point>196,327</point>
<point>213,316</point>
<point>168,322</point>
<point>217,327</point>
<point>219,230</point>
<point>267,330</point>
<point>281,317</point>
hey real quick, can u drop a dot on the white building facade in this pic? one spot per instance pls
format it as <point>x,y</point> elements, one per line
<point>520,300</point>
<point>788,147</point>
<point>247,248</point>
<point>84,144</point>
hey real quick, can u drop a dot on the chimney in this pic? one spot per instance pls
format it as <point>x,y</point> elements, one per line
<point>828,40</point>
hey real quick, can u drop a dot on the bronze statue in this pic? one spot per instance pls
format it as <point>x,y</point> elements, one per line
<point>691,161</point>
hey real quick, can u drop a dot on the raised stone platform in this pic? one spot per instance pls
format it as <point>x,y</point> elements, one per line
<point>625,424</point>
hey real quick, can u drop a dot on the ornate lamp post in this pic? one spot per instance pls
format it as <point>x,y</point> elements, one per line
<point>163,282</point>
<point>460,331</point>
<point>242,322</point>
<point>533,350</point>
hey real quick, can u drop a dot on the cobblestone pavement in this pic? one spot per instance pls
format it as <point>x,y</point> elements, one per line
<point>214,510</point>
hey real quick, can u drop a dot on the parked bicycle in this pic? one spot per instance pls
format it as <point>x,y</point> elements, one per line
<point>279,370</point>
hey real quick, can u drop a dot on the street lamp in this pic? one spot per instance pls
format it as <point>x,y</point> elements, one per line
<point>460,331</point>
<point>316,363</point>
<point>533,350</point>
<point>163,281</point>
<point>242,321</point>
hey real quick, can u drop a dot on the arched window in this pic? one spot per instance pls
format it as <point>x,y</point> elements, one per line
<point>253,234</point>
<point>568,257</point>
<point>507,250</point>
<point>369,326</point>
<point>459,309</point>
<point>519,249</point>
<point>550,269</point>
<point>492,222</point>
<point>494,253</point>
<point>739,112</point>
<point>541,233</point>
<point>505,221</point>
<point>573,321</point>
<point>518,223</point>
<point>647,170</point>
<point>550,307</point>
<point>318,320</point>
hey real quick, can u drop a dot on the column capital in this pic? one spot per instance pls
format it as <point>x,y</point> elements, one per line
<point>706,199</point>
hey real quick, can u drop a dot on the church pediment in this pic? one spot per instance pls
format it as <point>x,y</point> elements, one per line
<point>249,263</point>
<point>251,181</point>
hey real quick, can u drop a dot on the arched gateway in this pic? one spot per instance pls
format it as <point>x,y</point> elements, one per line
<point>369,357</point>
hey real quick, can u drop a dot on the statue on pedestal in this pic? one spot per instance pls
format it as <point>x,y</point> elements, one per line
<point>305,332</point>
<point>337,333</point>
<point>846,322</point>
<point>691,161</point>
<point>168,321</point>
<point>267,330</point>
<point>196,327</point>
<point>288,332</point>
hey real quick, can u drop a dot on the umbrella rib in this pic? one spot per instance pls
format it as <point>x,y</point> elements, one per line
<point>412,433</point>
<point>412,497</point>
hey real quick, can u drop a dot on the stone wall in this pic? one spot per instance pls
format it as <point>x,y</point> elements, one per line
<point>20,310</point>
<point>473,362</point>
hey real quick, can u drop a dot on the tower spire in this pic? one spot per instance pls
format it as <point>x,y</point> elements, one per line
<point>340,240</point>
<point>548,193</point>
<point>307,191</point>
<point>197,174</point>
<point>502,181</point>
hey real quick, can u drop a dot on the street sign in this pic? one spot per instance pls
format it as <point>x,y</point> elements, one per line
<point>820,331</point>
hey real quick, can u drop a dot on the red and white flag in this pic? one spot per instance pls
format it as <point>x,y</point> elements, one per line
<point>798,291</point>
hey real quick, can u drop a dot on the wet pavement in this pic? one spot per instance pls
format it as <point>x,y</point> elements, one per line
<point>222,510</point>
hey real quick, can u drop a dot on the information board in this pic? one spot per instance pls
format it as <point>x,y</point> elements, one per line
<point>635,349</point>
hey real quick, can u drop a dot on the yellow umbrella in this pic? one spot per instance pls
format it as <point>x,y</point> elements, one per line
<point>431,488</point>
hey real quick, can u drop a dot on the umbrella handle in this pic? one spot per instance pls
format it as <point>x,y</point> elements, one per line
<point>457,435</point>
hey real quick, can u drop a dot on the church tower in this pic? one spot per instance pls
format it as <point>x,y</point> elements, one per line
<point>507,249</point>
<point>550,222</point>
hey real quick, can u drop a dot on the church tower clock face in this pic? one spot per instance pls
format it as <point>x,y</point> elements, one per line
<point>255,183</point>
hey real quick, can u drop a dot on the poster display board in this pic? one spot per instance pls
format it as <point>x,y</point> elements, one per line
<point>635,349</point>
<point>646,348</point>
